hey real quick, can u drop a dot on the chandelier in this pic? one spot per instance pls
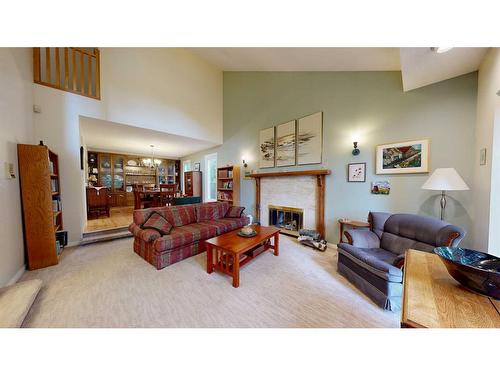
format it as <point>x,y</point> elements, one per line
<point>151,162</point>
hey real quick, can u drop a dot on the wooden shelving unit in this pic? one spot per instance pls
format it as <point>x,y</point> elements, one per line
<point>120,172</point>
<point>192,184</point>
<point>41,203</point>
<point>228,184</point>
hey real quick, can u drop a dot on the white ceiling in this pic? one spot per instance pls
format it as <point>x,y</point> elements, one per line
<point>100,135</point>
<point>419,66</point>
<point>301,59</point>
<point>422,67</point>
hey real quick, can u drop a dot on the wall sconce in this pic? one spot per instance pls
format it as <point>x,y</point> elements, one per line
<point>244,163</point>
<point>356,150</point>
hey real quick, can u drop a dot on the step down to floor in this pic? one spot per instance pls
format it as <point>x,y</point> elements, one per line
<point>105,235</point>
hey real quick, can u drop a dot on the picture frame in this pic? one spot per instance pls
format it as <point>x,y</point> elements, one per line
<point>356,172</point>
<point>310,139</point>
<point>403,157</point>
<point>267,145</point>
<point>286,144</point>
<point>381,187</point>
<point>197,167</point>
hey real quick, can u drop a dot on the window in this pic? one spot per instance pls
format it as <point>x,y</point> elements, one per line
<point>211,177</point>
<point>186,165</point>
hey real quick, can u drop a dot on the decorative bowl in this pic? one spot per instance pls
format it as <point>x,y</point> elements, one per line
<point>247,232</point>
<point>473,269</point>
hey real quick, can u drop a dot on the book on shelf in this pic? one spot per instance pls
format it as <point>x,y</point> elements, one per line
<point>56,205</point>
<point>51,166</point>
<point>54,186</point>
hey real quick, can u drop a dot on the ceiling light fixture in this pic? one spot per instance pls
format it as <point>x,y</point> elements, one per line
<point>441,49</point>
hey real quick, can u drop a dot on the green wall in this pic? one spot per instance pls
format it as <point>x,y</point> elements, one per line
<point>369,107</point>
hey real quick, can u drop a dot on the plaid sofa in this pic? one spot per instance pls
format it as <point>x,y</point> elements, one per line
<point>192,224</point>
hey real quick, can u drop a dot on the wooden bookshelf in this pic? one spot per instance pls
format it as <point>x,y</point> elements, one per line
<point>41,203</point>
<point>228,184</point>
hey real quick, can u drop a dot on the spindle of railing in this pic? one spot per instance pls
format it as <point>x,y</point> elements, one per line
<point>65,69</point>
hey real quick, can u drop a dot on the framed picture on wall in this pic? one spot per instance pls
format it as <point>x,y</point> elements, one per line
<point>285,144</point>
<point>356,172</point>
<point>403,157</point>
<point>266,145</point>
<point>310,139</point>
<point>197,167</point>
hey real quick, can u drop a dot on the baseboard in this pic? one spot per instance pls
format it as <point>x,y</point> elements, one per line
<point>17,276</point>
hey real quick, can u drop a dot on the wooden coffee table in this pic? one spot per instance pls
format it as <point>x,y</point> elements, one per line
<point>228,252</point>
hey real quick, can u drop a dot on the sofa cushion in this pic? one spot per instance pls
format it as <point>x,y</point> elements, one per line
<point>235,211</point>
<point>184,235</point>
<point>180,215</point>
<point>16,301</point>
<point>232,223</point>
<point>211,211</point>
<point>398,244</point>
<point>423,230</point>
<point>377,221</point>
<point>158,223</point>
<point>377,261</point>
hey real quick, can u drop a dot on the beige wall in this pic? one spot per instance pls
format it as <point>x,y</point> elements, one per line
<point>163,89</point>
<point>16,126</point>
<point>485,237</point>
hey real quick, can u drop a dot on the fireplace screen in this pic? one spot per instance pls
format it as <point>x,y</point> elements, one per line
<point>288,219</point>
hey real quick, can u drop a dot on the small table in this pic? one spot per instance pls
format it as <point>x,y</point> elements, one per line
<point>433,299</point>
<point>228,252</point>
<point>353,224</point>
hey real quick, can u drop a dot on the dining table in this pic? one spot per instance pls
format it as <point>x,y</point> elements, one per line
<point>149,198</point>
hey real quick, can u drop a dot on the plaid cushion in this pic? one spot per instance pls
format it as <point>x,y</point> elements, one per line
<point>149,235</point>
<point>158,222</point>
<point>229,223</point>
<point>211,211</point>
<point>235,211</point>
<point>184,235</point>
<point>140,216</point>
<point>180,215</point>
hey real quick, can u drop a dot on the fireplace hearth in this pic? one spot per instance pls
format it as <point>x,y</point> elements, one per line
<point>288,219</point>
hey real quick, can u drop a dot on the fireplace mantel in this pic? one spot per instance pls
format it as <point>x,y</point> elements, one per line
<point>309,172</point>
<point>320,196</point>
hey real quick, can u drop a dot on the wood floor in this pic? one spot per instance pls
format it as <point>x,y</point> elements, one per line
<point>119,217</point>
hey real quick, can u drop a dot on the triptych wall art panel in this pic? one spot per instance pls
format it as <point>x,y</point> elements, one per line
<point>296,142</point>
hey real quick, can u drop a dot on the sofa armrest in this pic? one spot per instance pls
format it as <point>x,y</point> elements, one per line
<point>147,235</point>
<point>362,238</point>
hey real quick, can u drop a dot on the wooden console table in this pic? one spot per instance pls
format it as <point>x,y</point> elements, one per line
<point>433,299</point>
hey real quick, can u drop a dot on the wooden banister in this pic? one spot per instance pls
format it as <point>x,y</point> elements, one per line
<point>48,67</point>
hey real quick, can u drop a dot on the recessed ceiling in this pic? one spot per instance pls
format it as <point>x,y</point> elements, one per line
<point>301,59</point>
<point>422,67</point>
<point>100,135</point>
<point>419,66</point>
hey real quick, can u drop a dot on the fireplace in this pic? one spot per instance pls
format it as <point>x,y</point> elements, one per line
<point>288,219</point>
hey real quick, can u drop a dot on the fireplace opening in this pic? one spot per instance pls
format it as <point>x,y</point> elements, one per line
<point>288,219</point>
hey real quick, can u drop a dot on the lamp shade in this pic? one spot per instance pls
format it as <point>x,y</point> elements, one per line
<point>445,179</point>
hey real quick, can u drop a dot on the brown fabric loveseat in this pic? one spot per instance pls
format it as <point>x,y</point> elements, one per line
<point>192,224</point>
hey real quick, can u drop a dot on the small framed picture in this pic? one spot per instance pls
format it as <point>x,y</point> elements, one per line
<point>197,167</point>
<point>356,172</point>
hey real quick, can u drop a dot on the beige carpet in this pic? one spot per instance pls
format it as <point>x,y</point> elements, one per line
<point>108,285</point>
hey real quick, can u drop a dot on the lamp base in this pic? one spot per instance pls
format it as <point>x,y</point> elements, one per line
<point>442,202</point>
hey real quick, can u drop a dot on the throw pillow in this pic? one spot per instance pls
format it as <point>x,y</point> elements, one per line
<point>158,222</point>
<point>235,211</point>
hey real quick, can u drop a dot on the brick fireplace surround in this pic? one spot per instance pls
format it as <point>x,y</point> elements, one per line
<point>319,206</point>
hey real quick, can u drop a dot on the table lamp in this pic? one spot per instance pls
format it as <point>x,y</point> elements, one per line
<point>445,179</point>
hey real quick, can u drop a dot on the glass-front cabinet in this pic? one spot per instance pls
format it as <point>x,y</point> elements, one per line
<point>105,171</point>
<point>118,173</point>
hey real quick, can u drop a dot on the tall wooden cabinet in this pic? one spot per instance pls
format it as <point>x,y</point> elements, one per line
<point>41,203</point>
<point>192,184</point>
